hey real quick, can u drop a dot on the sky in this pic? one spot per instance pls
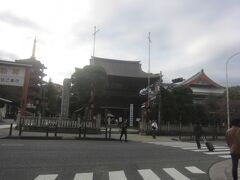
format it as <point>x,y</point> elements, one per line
<point>186,35</point>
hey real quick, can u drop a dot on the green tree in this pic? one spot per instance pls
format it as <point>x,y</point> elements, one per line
<point>214,110</point>
<point>234,101</point>
<point>200,114</point>
<point>184,104</point>
<point>53,99</point>
<point>168,107</point>
<point>88,86</point>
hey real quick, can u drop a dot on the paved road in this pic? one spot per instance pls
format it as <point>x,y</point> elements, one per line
<point>102,160</point>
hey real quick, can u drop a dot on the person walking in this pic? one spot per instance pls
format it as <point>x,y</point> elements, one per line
<point>123,130</point>
<point>198,134</point>
<point>154,129</point>
<point>233,141</point>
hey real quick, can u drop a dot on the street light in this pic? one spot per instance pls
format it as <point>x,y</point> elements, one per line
<point>227,94</point>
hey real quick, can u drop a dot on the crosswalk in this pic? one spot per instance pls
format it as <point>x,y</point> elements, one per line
<point>220,151</point>
<point>145,174</point>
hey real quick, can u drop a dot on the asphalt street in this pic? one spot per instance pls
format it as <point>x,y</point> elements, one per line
<point>101,160</point>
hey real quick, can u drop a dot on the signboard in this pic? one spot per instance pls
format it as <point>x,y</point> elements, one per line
<point>131,116</point>
<point>12,76</point>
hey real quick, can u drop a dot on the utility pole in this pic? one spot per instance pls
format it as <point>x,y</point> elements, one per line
<point>160,99</point>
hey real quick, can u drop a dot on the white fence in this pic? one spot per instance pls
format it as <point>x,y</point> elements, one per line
<point>29,121</point>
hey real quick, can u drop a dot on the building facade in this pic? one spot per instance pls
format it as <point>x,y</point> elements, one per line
<point>125,80</point>
<point>203,87</point>
<point>14,81</point>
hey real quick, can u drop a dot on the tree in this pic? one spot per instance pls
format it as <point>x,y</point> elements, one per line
<point>53,99</point>
<point>200,114</point>
<point>234,104</point>
<point>168,108</point>
<point>184,103</point>
<point>214,110</point>
<point>88,86</point>
<point>234,101</point>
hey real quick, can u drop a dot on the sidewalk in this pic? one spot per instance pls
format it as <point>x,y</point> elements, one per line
<point>221,170</point>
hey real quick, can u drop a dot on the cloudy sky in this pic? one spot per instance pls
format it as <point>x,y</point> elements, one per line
<point>187,35</point>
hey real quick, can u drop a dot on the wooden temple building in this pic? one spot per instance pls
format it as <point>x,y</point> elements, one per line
<point>125,80</point>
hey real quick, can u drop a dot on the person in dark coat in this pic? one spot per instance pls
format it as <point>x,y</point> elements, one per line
<point>233,141</point>
<point>123,130</point>
<point>198,134</point>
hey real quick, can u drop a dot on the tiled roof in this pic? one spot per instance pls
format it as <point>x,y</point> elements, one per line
<point>121,68</point>
<point>201,79</point>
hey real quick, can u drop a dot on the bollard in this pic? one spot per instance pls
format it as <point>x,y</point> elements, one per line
<point>47,131</point>
<point>106,133</point>
<point>56,128</point>
<point>110,133</point>
<point>85,130</point>
<point>20,129</point>
<point>10,131</point>
<point>79,132</point>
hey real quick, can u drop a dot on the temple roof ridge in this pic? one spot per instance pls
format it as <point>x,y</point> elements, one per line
<point>201,78</point>
<point>124,68</point>
<point>115,60</point>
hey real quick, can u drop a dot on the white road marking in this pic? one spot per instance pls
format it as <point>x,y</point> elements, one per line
<point>205,150</point>
<point>222,152</point>
<point>117,175</point>
<point>175,174</point>
<point>200,150</point>
<point>222,149</point>
<point>83,176</point>
<point>194,169</point>
<point>46,177</point>
<point>148,174</point>
<point>193,148</point>
<point>225,156</point>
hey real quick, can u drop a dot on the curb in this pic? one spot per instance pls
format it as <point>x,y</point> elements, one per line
<point>33,137</point>
<point>221,170</point>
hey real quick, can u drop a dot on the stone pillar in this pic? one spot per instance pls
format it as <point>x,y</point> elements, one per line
<point>65,98</point>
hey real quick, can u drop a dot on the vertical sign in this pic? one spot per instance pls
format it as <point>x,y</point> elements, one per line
<point>131,116</point>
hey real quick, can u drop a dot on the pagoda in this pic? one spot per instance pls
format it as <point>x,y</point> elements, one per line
<point>35,98</point>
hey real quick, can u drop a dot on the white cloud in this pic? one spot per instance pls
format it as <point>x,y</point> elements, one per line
<point>186,36</point>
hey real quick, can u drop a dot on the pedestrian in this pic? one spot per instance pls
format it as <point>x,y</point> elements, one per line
<point>123,130</point>
<point>198,134</point>
<point>233,141</point>
<point>154,129</point>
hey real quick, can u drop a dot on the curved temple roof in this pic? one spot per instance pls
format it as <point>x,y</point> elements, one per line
<point>201,79</point>
<point>121,68</point>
